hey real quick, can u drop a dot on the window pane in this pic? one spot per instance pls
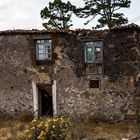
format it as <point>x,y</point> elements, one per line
<point>40,46</point>
<point>38,41</point>
<point>90,54</point>
<point>41,57</point>
<point>43,49</point>
<point>48,51</point>
<point>89,57</point>
<point>97,44</point>
<point>88,44</point>
<point>98,49</point>
<point>48,46</point>
<point>42,41</point>
<point>93,51</point>
<point>89,49</point>
<point>40,51</point>
<point>49,41</point>
<point>49,55</point>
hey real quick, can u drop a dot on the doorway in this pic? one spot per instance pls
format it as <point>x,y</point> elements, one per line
<point>45,100</point>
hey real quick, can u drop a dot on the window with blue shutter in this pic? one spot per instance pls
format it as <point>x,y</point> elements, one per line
<point>43,50</point>
<point>93,52</point>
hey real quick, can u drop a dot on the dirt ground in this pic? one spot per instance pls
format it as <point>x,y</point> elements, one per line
<point>101,130</point>
<point>8,128</point>
<point>89,130</point>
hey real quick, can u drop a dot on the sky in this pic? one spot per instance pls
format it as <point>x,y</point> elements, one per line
<point>25,14</point>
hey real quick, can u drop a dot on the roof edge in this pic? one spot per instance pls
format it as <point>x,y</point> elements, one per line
<point>68,31</point>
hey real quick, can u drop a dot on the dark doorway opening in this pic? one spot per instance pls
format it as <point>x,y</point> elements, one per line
<point>45,101</point>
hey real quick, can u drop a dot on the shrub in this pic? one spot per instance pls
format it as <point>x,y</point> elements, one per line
<point>46,129</point>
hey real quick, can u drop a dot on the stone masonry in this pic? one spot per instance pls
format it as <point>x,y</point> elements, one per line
<point>118,73</point>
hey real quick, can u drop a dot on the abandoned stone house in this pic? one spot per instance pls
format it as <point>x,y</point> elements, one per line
<point>71,72</point>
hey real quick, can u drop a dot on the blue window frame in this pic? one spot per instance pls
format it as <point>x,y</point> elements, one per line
<point>93,52</point>
<point>43,50</point>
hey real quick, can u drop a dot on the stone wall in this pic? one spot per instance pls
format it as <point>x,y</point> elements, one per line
<point>15,78</point>
<point>122,69</point>
<point>17,73</point>
<point>118,94</point>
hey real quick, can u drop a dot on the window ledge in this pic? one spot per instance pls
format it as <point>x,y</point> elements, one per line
<point>44,62</point>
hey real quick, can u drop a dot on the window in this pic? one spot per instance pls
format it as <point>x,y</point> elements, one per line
<point>43,50</point>
<point>94,84</point>
<point>93,52</point>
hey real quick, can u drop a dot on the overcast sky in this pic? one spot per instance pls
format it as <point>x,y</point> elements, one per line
<point>25,14</point>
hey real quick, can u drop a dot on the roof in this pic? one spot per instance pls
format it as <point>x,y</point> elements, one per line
<point>81,33</point>
<point>78,32</point>
<point>33,31</point>
<point>125,27</point>
<point>90,34</point>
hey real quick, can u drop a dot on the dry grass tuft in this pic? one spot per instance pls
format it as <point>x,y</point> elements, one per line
<point>97,129</point>
<point>10,125</point>
<point>91,129</point>
<point>25,116</point>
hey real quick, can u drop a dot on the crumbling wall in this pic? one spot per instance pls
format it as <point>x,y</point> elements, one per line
<point>15,78</point>
<point>17,73</point>
<point>118,94</point>
<point>122,54</point>
<point>117,97</point>
<point>121,67</point>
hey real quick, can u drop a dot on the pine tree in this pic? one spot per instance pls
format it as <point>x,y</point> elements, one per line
<point>105,10</point>
<point>58,15</point>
